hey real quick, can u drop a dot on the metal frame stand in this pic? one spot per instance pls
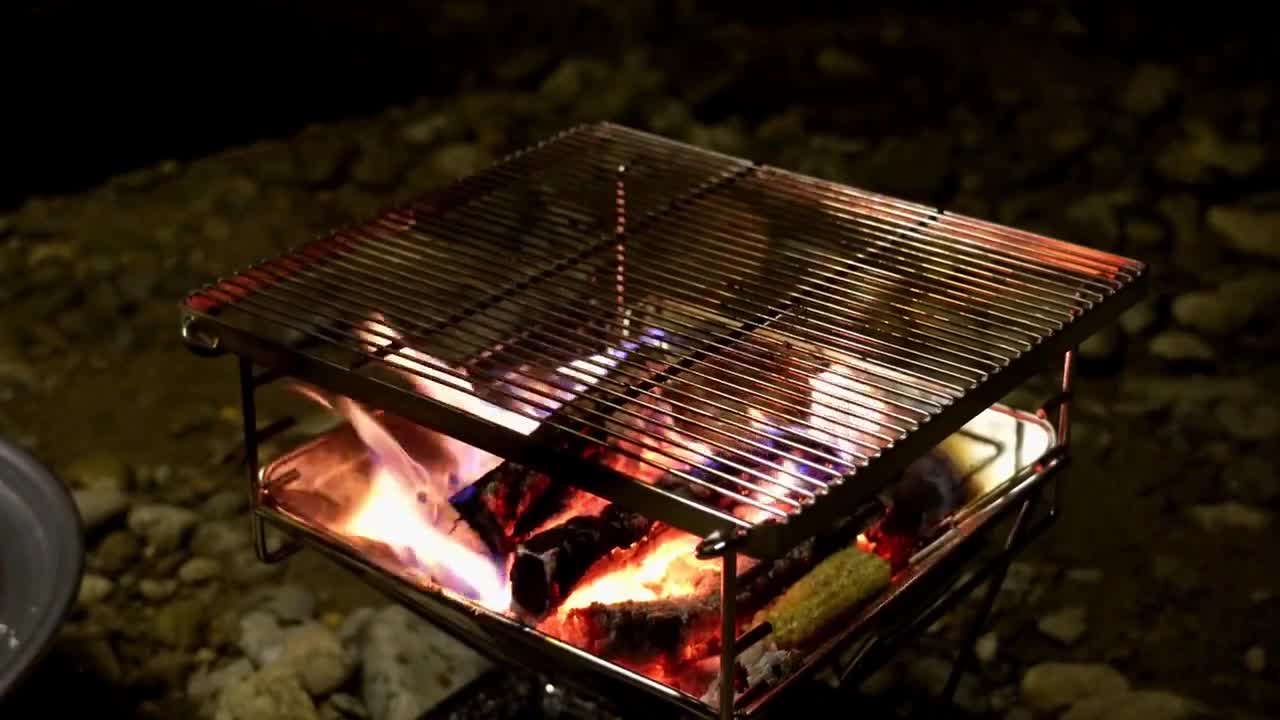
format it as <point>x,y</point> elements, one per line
<point>1062,403</point>
<point>253,439</point>
<point>716,544</point>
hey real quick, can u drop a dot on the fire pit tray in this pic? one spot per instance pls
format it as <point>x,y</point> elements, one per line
<point>1006,452</point>
<point>41,560</point>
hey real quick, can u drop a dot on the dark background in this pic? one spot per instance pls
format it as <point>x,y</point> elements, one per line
<point>93,89</point>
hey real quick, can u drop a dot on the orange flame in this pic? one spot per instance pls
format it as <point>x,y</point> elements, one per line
<point>406,505</point>
<point>385,514</point>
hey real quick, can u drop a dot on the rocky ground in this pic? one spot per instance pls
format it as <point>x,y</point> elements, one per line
<point>1156,596</point>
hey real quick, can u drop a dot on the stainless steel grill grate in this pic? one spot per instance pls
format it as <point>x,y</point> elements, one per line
<point>614,307</point>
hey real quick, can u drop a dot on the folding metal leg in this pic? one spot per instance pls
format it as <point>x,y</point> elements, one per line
<point>1062,403</point>
<point>979,622</point>
<point>249,415</point>
<point>728,631</point>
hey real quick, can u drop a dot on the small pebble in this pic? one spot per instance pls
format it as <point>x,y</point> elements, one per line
<point>225,504</point>
<point>1101,345</point>
<point>1088,576</point>
<point>1255,659</point>
<point>1139,318</point>
<point>94,588</point>
<point>1135,705</point>
<point>163,526</point>
<point>315,655</point>
<point>153,589</point>
<point>261,638</point>
<point>1051,686</point>
<point>266,694</point>
<point>1228,516</point>
<point>101,472</point>
<point>986,647</point>
<point>349,705</point>
<point>116,552</point>
<point>353,626</point>
<point>98,506</point>
<point>198,570</point>
<point>289,603</point>
<point>205,684</point>
<point>1181,346</point>
<point>219,537</point>
<point>1066,626</point>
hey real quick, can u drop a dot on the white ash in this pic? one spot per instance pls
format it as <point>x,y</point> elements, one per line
<point>763,662</point>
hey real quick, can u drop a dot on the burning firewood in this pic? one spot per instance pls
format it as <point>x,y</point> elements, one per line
<point>675,630</point>
<point>550,563</point>
<point>687,628</point>
<point>508,503</point>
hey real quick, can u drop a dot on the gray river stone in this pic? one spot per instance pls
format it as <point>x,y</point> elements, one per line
<point>410,666</point>
<point>99,506</point>
<point>1055,685</point>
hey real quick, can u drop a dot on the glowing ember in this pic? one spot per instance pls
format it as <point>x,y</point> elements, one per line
<point>664,568</point>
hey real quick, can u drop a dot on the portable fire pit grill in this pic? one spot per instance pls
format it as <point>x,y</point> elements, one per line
<point>612,379</point>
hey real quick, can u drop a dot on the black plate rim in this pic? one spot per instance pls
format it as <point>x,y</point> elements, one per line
<point>66,540</point>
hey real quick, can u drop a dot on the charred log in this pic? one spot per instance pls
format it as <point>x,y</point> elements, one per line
<point>506,503</point>
<point>675,630</point>
<point>687,628</point>
<point>930,489</point>
<point>474,511</point>
<point>550,563</point>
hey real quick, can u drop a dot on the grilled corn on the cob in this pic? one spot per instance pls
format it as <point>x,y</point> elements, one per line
<point>835,586</point>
